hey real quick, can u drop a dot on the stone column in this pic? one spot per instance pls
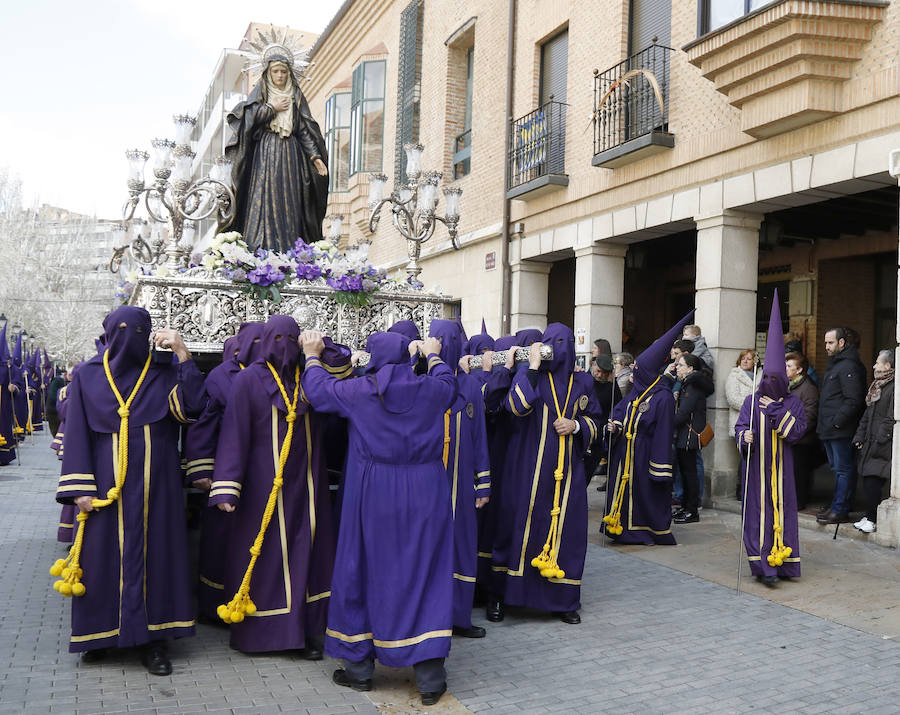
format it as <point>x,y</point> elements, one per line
<point>530,283</point>
<point>599,293</point>
<point>727,267</point>
<point>888,533</point>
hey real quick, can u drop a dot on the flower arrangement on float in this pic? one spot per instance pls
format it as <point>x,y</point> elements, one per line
<point>263,273</point>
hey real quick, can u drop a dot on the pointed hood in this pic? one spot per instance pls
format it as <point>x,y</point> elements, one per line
<point>250,343</point>
<point>527,336</point>
<point>17,352</point>
<point>649,362</point>
<point>477,344</point>
<point>4,348</point>
<point>774,383</point>
<point>447,331</point>
<point>562,340</point>
<point>407,328</point>
<point>462,331</point>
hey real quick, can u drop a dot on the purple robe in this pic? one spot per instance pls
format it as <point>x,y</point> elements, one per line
<point>65,530</point>
<point>392,591</point>
<point>134,556</point>
<point>529,485</point>
<point>292,577</point>
<point>646,514</point>
<point>20,401</point>
<point>8,441</point>
<point>784,423</point>
<point>467,461</point>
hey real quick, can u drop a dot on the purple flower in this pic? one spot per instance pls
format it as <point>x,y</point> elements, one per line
<point>308,271</point>
<point>196,259</point>
<point>239,274</point>
<point>265,276</point>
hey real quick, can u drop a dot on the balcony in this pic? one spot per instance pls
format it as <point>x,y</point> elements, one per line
<point>536,158</point>
<point>631,109</point>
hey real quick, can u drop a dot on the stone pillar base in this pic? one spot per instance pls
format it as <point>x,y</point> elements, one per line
<point>888,533</point>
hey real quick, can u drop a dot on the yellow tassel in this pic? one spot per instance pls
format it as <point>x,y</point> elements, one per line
<point>69,568</point>
<point>237,607</point>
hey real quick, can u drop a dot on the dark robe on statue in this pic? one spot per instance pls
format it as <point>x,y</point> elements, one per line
<point>639,491</point>
<point>467,461</point>
<point>291,580</point>
<point>534,454</point>
<point>200,441</point>
<point>280,195</point>
<point>392,592</point>
<point>7,422</point>
<point>770,526</point>
<point>134,555</point>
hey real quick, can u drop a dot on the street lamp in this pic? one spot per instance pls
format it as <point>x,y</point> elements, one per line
<point>172,198</point>
<point>414,207</point>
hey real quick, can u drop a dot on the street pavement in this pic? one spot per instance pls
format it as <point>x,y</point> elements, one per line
<point>663,631</point>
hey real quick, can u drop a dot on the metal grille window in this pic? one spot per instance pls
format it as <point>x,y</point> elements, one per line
<point>462,150</point>
<point>367,117</point>
<point>716,13</point>
<point>337,140</point>
<point>409,83</point>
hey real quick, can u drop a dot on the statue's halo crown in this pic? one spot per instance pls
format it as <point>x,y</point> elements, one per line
<point>278,44</point>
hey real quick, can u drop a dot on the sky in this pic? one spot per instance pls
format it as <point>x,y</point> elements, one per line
<point>84,81</point>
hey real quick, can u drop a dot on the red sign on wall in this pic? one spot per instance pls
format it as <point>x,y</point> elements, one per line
<point>490,260</point>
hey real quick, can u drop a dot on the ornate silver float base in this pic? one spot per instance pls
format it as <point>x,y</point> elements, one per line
<point>206,309</point>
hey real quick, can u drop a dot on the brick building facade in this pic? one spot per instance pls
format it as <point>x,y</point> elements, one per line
<point>736,152</point>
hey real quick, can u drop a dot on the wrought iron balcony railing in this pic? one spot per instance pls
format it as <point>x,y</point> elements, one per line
<point>537,145</point>
<point>631,100</point>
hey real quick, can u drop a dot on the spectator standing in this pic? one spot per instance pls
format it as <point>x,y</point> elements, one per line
<point>623,364</point>
<point>608,395</point>
<point>690,420</point>
<point>701,350</point>
<point>874,438</point>
<point>841,402</point>
<point>801,385</point>
<point>738,385</point>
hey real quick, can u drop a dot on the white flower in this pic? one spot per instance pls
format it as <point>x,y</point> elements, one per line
<point>235,253</point>
<point>163,272</point>
<point>133,276</point>
<point>211,261</point>
<point>230,237</point>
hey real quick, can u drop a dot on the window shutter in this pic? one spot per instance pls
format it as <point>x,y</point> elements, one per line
<point>554,68</point>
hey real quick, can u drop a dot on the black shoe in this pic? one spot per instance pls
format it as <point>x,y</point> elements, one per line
<point>676,513</point>
<point>340,677</point>
<point>311,653</point>
<point>769,581</point>
<point>432,698</point>
<point>570,617</point>
<point>470,632</point>
<point>156,660</point>
<point>824,510</point>
<point>494,611</point>
<point>94,656</point>
<point>830,517</point>
<point>687,517</point>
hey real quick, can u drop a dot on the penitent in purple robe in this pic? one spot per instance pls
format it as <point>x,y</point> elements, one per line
<point>20,396</point>
<point>392,592</point>
<point>35,393</point>
<point>467,462</point>
<point>8,441</point>
<point>639,494</point>
<point>528,484</point>
<point>200,442</point>
<point>770,487</point>
<point>292,577</point>
<point>65,530</point>
<point>134,556</point>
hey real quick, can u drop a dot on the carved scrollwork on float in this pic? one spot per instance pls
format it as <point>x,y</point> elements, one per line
<point>206,309</point>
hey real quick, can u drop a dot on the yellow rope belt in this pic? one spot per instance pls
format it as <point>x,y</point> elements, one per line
<point>613,520</point>
<point>69,568</point>
<point>2,438</point>
<point>547,562</point>
<point>446,454</point>
<point>241,605</point>
<point>779,551</point>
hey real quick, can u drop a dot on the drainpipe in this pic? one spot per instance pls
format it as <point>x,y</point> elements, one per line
<point>506,293</point>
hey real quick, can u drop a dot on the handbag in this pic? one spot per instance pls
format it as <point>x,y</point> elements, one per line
<point>704,436</point>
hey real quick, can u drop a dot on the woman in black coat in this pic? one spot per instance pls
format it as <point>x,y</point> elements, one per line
<point>874,438</point>
<point>690,419</point>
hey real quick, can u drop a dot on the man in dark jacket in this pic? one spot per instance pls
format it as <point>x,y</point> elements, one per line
<point>841,402</point>
<point>690,420</point>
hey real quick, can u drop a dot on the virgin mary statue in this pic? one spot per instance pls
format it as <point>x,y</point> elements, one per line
<point>279,161</point>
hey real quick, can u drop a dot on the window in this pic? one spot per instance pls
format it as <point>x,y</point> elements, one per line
<point>555,68</point>
<point>337,140</point>
<point>716,13</point>
<point>409,83</point>
<point>462,150</point>
<point>367,117</point>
